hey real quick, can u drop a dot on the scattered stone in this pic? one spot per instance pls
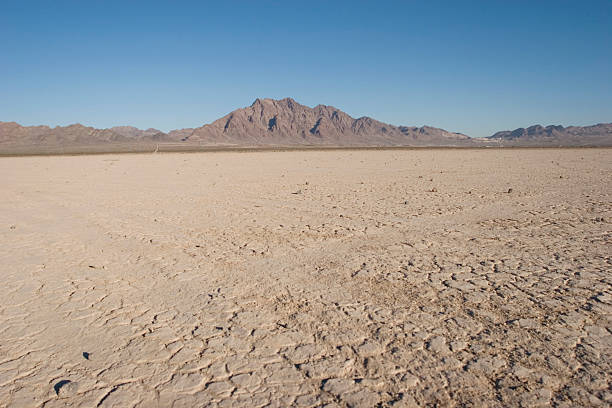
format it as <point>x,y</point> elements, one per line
<point>65,388</point>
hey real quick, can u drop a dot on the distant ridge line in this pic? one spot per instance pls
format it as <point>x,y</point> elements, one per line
<point>285,122</point>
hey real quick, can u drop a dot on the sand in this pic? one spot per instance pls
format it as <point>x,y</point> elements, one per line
<point>310,278</point>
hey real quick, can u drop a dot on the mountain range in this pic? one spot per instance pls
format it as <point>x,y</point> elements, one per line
<point>600,134</point>
<point>284,122</point>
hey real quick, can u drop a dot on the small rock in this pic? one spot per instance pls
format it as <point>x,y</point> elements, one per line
<point>65,388</point>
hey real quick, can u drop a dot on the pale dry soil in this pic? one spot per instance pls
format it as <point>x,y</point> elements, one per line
<point>329,278</point>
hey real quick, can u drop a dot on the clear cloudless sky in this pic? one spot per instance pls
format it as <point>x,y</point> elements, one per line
<point>469,66</point>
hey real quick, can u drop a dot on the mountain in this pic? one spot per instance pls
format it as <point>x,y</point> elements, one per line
<point>131,132</point>
<point>286,122</point>
<point>12,133</point>
<point>596,135</point>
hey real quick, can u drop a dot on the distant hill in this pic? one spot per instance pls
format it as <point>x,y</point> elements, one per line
<point>12,133</point>
<point>133,133</point>
<point>596,135</point>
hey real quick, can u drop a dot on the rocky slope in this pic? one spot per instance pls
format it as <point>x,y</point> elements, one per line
<point>286,122</point>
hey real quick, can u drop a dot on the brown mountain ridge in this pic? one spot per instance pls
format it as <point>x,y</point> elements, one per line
<point>285,122</point>
<point>595,135</point>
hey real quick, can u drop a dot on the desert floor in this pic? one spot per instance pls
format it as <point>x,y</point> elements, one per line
<point>346,278</point>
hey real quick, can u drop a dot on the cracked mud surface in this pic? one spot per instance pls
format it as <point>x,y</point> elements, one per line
<point>347,278</point>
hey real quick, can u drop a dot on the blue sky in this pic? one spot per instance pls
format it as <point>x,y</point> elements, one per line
<point>470,66</point>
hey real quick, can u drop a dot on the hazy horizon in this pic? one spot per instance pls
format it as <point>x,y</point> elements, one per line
<point>474,69</point>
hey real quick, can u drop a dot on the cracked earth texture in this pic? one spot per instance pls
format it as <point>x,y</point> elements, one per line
<point>314,278</point>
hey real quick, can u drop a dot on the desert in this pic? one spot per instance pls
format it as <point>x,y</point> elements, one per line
<point>396,277</point>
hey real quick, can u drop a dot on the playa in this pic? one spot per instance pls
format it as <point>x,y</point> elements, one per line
<point>310,278</point>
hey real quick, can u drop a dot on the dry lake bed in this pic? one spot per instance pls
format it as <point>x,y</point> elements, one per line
<point>307,278</point>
